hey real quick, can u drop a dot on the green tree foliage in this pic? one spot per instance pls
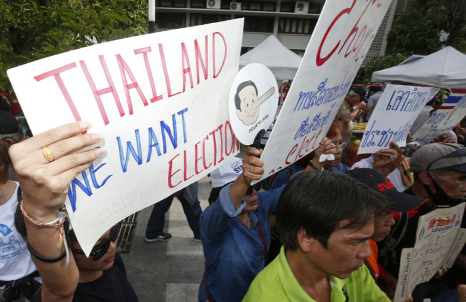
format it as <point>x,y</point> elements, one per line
<point>36,29</point>
<point>429,26</point>
<point>379,63</point>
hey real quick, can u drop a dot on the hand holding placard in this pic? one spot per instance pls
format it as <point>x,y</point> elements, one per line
<point>387,160</point>
<point>325,152</point>
<point>157,101</point>
<point>44,183</point>
<point>252,170</point>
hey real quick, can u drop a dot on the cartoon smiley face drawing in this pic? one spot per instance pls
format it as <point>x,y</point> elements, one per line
<point>248,103</point>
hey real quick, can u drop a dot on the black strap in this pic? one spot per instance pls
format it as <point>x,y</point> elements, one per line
<point>24,287</point>
<point>264,244</point>
<point>387,253</point>
<point>19,194</point>
<point>116,287</point>
<point>370,268</point>
<point>44,259</point>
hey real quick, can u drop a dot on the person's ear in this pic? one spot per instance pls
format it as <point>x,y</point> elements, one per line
<point>305,242</point>
<point>425,178</point>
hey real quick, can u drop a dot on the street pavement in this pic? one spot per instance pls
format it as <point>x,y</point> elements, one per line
<point>169,271</point>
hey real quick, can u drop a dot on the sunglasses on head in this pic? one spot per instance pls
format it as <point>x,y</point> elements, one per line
<point>101,248</point>
<point>256,187</point>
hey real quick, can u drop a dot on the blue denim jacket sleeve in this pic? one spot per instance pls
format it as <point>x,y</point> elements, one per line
<point>269,199</point>
<point>216,218</point>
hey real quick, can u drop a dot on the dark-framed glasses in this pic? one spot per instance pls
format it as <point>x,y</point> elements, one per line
<point>256,187</point>
<point>102,247</point>
<point>340,144</point>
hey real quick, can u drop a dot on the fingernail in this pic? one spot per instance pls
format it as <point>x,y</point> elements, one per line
<point>99,151</point>
<point>95,137</point>
<point>84,125</point>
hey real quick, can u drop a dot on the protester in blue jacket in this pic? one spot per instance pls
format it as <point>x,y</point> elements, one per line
<point>235,232</point>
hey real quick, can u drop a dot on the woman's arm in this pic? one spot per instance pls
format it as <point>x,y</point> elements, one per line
<point>45,185</point>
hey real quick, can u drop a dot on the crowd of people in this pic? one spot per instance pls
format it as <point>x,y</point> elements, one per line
<point>315,231</point>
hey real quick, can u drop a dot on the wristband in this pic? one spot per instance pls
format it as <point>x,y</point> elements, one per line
<point>44,259</point>
<point>57,222</point>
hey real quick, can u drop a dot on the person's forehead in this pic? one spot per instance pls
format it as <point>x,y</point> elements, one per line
<point>76,244</point>
<point>104,236</point>
<point>452,174</point>
<point>343,232</point>
<point>383,212</point>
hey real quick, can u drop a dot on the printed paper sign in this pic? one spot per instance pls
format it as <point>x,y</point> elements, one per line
<point>338,45</point>
<point>438,240</point>
<point>253,101</point>
<point>394,116</point>
<point>160,101</point>
<point>446,117</point>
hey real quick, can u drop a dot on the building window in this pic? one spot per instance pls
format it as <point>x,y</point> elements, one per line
<point>198,3</point>
<point>171,3</point>
<point>170,20</point>
<point>296,26</point>
<point>315,8</point>
<point>258,24</point>
<point>287,7</point>
<point>224,4</point>
<point>201,19</point>
<point>258,5</point>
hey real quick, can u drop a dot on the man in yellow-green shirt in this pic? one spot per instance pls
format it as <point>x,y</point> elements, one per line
<point>325,221</point>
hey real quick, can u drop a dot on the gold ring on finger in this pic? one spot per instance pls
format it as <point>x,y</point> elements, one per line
<point>47,154</point>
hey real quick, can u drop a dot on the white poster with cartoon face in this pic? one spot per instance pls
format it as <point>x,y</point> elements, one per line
<point>337,48</point>
<point>253,101</point>
<point>160,103</point>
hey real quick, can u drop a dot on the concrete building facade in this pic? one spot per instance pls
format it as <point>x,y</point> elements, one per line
<point>291,21</point>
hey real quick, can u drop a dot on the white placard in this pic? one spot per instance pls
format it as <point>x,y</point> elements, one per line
<point>394,116</point>
<point>338,45</point>
<point>436,239</point>
<point>160,101</point>
<point>445,118</point>
<point>253,101</point>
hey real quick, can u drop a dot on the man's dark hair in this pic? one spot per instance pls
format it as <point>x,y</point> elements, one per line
<point>318,202</point>
<point>240,87</point>
<point>375,88</point>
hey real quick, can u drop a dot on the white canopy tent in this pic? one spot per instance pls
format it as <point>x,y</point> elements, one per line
<point>280,60</point>
<point>445,68</point>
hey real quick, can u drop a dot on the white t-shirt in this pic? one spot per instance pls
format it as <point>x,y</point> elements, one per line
<point>15,260</point>
<point>394,176</point>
